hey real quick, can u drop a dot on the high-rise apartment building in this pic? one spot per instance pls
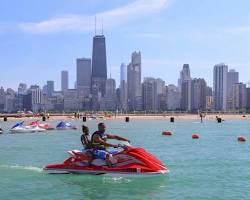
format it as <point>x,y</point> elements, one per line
<point>220,86</point>
<point>2,99</point>
<point>239,96</point>
<point>22,89</point>
<point>232,78</point>
<point>50,88</point>
<point>123,87</point>
<point>173,97</point>
<point>248,99</point>
<point>185,87</point>
<point>64,81</point>
<point>186,95</point>
<point>109,101</point>
<point>149,94</point>
<point>198,94</point>
<point>83,73</point>
<point>37,97</point>
<point>184,75</point>
<point>83,82</point>
<point>134,82</point>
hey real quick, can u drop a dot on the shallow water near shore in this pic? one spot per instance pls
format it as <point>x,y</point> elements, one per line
<point>215,166</point>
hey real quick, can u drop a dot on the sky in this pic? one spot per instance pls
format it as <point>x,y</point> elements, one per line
<point>40,38</point>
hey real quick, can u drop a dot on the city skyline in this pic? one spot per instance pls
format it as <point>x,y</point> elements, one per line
<point>176,32</point>
<point>93,91</point>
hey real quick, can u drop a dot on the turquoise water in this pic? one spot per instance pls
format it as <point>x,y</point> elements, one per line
<point>215,167</point>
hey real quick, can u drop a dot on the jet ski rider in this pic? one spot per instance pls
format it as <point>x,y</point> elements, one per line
<point>85,138</point>
<point>99,143</point>
<point>86,142</point>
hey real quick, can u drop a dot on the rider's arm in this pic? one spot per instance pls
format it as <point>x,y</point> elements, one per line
<point>100,141</point>
<point>84,140</point>
<point>117,137</point>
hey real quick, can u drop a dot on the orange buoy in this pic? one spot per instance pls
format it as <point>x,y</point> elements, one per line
<point>195,136</point>
<point>167,133</point>
<point>242,139</point>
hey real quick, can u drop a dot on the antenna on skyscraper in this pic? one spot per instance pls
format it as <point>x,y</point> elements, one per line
<point>95,24</point>
<point>102,26</point>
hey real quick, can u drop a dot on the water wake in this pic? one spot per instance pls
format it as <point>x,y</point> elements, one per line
<point>31,168</point>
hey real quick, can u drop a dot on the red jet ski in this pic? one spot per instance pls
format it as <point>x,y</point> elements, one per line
<point>129,161</point>
<point>40,125</point>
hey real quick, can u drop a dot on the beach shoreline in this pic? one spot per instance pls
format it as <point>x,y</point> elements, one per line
<point>176,116</point>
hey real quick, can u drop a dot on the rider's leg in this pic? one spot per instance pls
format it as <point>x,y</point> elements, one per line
<point>108,160</point>
<point>90,157</point>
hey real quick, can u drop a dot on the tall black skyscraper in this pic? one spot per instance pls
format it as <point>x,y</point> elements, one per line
<point>99,63</point>
<point>99,70</point>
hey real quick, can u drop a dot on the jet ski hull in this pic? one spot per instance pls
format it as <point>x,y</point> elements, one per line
<point>134,161</point>
<point>105,172</point>
<point>27,130</point>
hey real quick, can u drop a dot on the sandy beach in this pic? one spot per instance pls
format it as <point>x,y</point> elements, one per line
<point>138,117</point>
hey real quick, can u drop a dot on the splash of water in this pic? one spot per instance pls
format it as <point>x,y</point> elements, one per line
<point>31,168</point>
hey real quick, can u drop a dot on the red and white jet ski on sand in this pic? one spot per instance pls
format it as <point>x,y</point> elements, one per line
<point>129,161</point>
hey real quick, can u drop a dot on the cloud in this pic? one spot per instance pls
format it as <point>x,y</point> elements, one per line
<point>148,35</point>
<point>219,34</point>
<point>239,29</point>
<point>7,27</point>
<point>112,18</point>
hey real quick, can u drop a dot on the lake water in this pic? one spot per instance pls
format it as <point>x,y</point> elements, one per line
<point>214,167</point>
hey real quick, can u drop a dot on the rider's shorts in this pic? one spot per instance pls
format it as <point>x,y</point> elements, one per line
<point>102,154</point>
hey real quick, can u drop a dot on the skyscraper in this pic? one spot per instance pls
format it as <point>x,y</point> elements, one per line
<point>99,71</point>
<point>99,64</point>
<point>220,86</point>
<point>22,88</point>
<point>50,88</point>
<point>184,75</point>
<point>185,87</point>
<point>186,95</point>
<point>36,95</point>
<point>134,82</point>
<point>123,74</point>
<point>2,99</point>
<point>248,99</point>
<point>109,100</point>
<point>71,100</point>
<point>83,82</point>
<point>123,87</point>
<point>232,78</point>
<point>160,90</point>
<point>83,73</point>
<point>198,94</point>
<point>110,88</point>
<point>149,94</point>
<point>239,96</point>
<point>64,81</point>
<point>173,97</point>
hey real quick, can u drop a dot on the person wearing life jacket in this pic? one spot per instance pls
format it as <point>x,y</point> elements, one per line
<point>85,138</point>
<point>86,142</point>
<point>100,145</point>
